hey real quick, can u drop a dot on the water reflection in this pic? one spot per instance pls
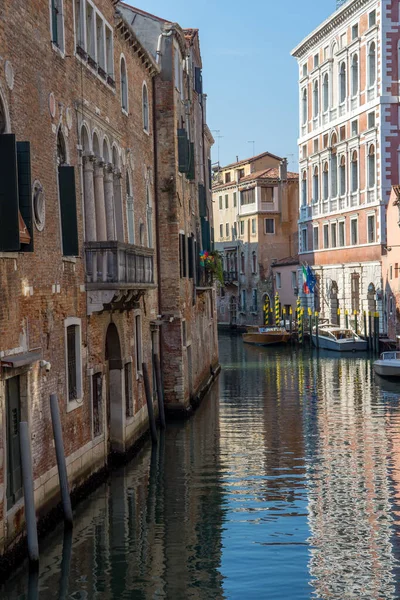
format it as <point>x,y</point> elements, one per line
<point>286,484</point>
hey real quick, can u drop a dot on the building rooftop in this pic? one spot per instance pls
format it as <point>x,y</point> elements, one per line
<point>251,159</point>
<point>289,260</point>
<point>271,173</point>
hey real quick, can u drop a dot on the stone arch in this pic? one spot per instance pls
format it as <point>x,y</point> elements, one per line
<point>85,138</point>
<point>115,156</point>
<point>115,389</point>
<point>96,144</point>
<point>333,138</point>
<point>5,124</point>
<point>62,156</point>
<point>106,150</point>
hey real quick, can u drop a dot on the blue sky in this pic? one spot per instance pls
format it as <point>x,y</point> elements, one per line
<point>248,73</point>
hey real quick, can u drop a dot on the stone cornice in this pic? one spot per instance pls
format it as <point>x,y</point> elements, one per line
<point>333,22</point>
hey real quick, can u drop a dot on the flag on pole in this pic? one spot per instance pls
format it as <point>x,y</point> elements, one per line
<point>306,289</point>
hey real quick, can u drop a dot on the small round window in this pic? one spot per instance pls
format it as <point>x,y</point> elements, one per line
<point>38,205</point>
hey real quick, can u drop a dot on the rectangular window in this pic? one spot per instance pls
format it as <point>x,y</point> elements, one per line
<point>371,120</point>
<point>243,300</point>
<point>316,60</point>
<point>315,238</point>
<point>372,18</point>
<point>342,133</point>
<point>90,38</point>
<point>234,230</point>
<point>333,235</point>
<point>316,146</point>
<point>234,199</point>
<point>226,201</point>
<point>267,194</point>
<point>325,140</point>
<point>294,279</point>
<point>343,40</point>
<point>191,256</point>
<point>109,53</point>
<point>240,173</point>
<point>69,222</point>
<point>73,360</point>
<point>138,338</point>
<point>254,301</point>
<point>391,272</point>
<point>354,127</point>
<point>221,232</point>
<point>354,32</point>
<point>278,280</point>
<point>79,20</point>
<point>326,236</point>
<point>354,232</point>
<point>253,226</point>
<point>128,390</point>
<point>100,45</point>
<point>57,23</point>
<point>227,230</point>
<point>304,240</point>
<point>371,229</point>
<point>396,270</point>
<point>228,177</point>
<point>304,69</point>
<point>241,227</point>
<point>247,197</point>
<point>341,234</point>
<point>326,52</point>
<point>97,404</point>
<point>270,226</point>
<point>220,202</point>
<point>304,151</point>
<point>182,254</point>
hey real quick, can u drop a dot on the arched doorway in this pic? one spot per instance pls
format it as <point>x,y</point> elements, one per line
<point>115,390</point>
<point>334,303</point>
<point>233,310</point>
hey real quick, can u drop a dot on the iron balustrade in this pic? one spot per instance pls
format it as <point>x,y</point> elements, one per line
<point>230,276</point>
<point>114,265</point>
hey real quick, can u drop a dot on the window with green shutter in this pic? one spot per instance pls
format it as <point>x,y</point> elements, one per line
<point>69,223</point>
<point>191,172</point>
<point>183,151</point>
<point>25,194</point>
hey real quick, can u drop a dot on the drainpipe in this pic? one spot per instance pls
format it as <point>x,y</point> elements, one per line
<point>159,44</point>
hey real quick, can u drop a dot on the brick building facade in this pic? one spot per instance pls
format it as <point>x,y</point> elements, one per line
<point>78,242</point>
<point>349,151</point>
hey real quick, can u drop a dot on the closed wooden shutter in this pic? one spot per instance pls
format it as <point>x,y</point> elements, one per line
<point>191,171</point>
<point>69,224</point>
<point>9,218</point>
<point>198,80</point>
<point>25,193</point>
<point>183,151</point>
<point>205,234</point>
<point>202,201</point>
<point>191,256</point>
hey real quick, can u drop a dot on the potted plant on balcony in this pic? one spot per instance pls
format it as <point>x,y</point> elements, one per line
<point>212,262</point>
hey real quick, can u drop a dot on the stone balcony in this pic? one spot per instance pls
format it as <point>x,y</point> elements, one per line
<point>117,274</point>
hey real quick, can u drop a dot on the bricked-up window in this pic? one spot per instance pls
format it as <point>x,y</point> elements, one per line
<point>355,292</point>
<point>182,255</point>
<point>139,347</point>
<point>57,24</point>
<point>247,196</point>
<point>145,108</point>
<point>97,403</point>
<point>73,358</point>
<point>128,390</point>
<point>371,229</point>
<point>124,85</point>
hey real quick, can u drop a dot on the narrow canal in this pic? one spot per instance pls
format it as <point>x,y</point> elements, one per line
<point>285,485</point>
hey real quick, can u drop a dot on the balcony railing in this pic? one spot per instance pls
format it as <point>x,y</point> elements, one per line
<point>205,279</point>
<point>353,200</point>
<point>115,265</point>
<point>371,196</point>
<point>230,276</point>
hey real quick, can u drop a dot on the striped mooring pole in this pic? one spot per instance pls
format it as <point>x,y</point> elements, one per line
<point>277,309</point>
<point>347,318</point>
<point>300,324</point>
<point>355,321</point>
<point>338,317</point>
<point>266,311</point>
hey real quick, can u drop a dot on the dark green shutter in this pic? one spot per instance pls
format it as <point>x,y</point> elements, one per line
<point>183,151</point>
<point>191,173</point>
<point>54,21</point>
<point>209,174</point>
<point>9,224</point>
<point>198,80</point>
<point>205,234</point>
<point>191,256</point>
<point>212,239</point>
<point>25,189</point>
<point>69,224</point>
<point>202,201</point>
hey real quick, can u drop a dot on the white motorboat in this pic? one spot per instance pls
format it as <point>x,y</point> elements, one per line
<point>388,364</point>
<point>339,339</point>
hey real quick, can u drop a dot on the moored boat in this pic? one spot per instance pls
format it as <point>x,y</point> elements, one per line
<point>266,336</point>
<point>388,364</point>
<point>339,339</point>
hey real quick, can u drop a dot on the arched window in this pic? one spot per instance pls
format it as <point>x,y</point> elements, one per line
<point>342,178</point>
<point>316,185</point>
<point>354,75</point>
<point>254,262</point>
<point>145,108</point>
<point>242,262</point>
<point>354,171</point>
<point>325,182</point>
<point>334,166</point>
<point>325,93</point>
<point>371,64</point>
<point>371,166</point>
<point>316,99</point>
<point>304,189</point>
<point>149,213</point>
<point>124,85</point>
<point>129,212</point>
<point>3,121</point>
<point>342,83</point>
<point>61,150</point>
<point>304,107</point>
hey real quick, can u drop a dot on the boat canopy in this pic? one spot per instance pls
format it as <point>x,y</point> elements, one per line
<point>390,355</point>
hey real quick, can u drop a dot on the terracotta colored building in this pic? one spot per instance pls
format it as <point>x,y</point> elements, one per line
<point>255,218</point>
<point>348,151</point>
<point>390,268</point>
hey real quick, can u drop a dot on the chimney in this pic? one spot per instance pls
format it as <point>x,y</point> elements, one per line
<point>237,159</point>
<point>283,170</point>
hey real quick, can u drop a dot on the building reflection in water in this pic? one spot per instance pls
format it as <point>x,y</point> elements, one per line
<point>350,493</point>
<point>153,531</point>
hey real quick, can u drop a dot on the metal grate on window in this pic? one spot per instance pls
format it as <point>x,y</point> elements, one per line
<point>71,362</point>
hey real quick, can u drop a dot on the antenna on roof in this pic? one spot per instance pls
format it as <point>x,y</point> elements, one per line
<point>252,142</point>
<point>218,136</point>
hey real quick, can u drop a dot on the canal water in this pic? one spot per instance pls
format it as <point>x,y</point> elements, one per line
<point>284,485</point>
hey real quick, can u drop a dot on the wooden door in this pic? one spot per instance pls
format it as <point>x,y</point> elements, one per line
<point>13,418</point>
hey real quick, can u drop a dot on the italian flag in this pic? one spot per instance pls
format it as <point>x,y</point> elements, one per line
<point>306,289</point>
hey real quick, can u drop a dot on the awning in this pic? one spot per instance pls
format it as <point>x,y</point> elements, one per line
<point>20,360</point>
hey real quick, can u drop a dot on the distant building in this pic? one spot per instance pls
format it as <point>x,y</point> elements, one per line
<point>390,267</point>
<point>255,203</point>
<point>348,152</point>
<point>285,278</point>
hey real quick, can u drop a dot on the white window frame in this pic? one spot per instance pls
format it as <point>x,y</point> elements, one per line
<point>278,280</point>
<point>344,233</point>
<point>352,219</point>
<point>75,322</point>
<point>124,109</point>
<point>315,229</point>
<point>60,23</point>
<point>335,225</point>
<point>303,249</point>
<point>146,129</point>
<point>265,226</point>
<point>325,227</point>
<point>373,215</point>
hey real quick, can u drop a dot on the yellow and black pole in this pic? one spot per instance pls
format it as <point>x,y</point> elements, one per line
<point>310,324</point>
<point>266,310</point>
<point>365,327</point>
<point>277,309</point>
<point>346,312</point>
<point>338,317</point>
<point>316,329</point>
<point>355,322</point>
<point>290,320</point>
